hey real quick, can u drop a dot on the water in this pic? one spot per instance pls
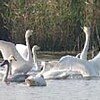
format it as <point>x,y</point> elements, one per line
<point>55,90</point>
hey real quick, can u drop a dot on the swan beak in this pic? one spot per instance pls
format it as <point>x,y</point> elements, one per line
<point>14,58</point>
<point>32,31</point>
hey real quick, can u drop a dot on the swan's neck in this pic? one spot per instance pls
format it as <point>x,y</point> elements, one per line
<point>6,72</point>
<point>29,57</point>
<point>35,60</point>
<point>43,70</point>
<point>83,54</point>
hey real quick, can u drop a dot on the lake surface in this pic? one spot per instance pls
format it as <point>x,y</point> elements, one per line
<point>55,90</point>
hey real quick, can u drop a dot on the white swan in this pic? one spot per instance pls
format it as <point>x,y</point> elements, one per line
<point>34,49</point>
<point>83,54</point>
<point>24,50</point>
<point>21,65</point>
<point>37,80</point>
<point>82,65</point>
<point>7,77</point>
<point>8,69</point>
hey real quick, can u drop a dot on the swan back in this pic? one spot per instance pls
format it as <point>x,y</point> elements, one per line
<point>19,77</point>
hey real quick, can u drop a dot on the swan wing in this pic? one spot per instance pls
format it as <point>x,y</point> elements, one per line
<point>75,64</point>
<point>22,50</point>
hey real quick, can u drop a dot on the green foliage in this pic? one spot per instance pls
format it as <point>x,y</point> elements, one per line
<point>56,23</point>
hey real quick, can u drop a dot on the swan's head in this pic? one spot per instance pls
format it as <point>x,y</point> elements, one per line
<point>43,63</point>
<point>87,30</point>
<point>28,33</point>
<point>30,81</point>
<point>35,47</point>
<point>45,66</point>
<point>12,58</point>
<point>38,80</point>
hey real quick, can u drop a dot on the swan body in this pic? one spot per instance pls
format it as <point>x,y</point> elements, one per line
<point>21,65</point>
<point>58,72</point>
<point>52,73</point>
<point>70,66</point>
<point>75,64</point>
<point>19,77</point>
<point>55,74</point>
<point>8,63</point>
